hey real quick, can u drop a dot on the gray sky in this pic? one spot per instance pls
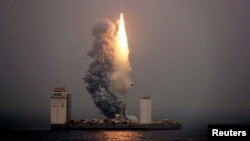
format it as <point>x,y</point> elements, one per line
<point>192,57</point>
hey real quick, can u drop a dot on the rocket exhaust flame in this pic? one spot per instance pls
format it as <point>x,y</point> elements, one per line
<point>120,80</point>
<point>108,74</point>
<point>122,38</point>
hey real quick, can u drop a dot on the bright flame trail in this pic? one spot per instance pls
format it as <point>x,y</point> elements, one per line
<point>122,38</point>
<point>120,80</point>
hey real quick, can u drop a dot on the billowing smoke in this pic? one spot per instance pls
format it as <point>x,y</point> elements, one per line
<point>103,80</point>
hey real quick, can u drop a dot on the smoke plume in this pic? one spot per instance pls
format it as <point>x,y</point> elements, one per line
<point>107,75</point>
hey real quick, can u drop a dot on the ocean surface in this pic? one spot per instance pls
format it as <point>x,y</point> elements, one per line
<point>42,132</point>
<point>77,135</point>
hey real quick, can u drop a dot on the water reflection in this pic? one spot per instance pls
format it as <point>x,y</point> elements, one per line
<point>116,135</point>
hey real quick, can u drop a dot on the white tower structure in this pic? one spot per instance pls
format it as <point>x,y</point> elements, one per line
<point>145,110</point>
<point>60,106</point>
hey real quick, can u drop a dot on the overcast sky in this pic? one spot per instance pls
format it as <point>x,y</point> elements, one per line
<point>191,56</point>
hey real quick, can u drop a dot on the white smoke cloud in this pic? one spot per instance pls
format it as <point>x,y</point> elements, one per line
<point>132,119</point>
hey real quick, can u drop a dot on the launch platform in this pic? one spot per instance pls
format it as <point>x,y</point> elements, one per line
<point>61,117</point>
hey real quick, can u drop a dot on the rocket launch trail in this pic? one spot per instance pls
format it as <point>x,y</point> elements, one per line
<point>108,74</point>
<point>121,6</point>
